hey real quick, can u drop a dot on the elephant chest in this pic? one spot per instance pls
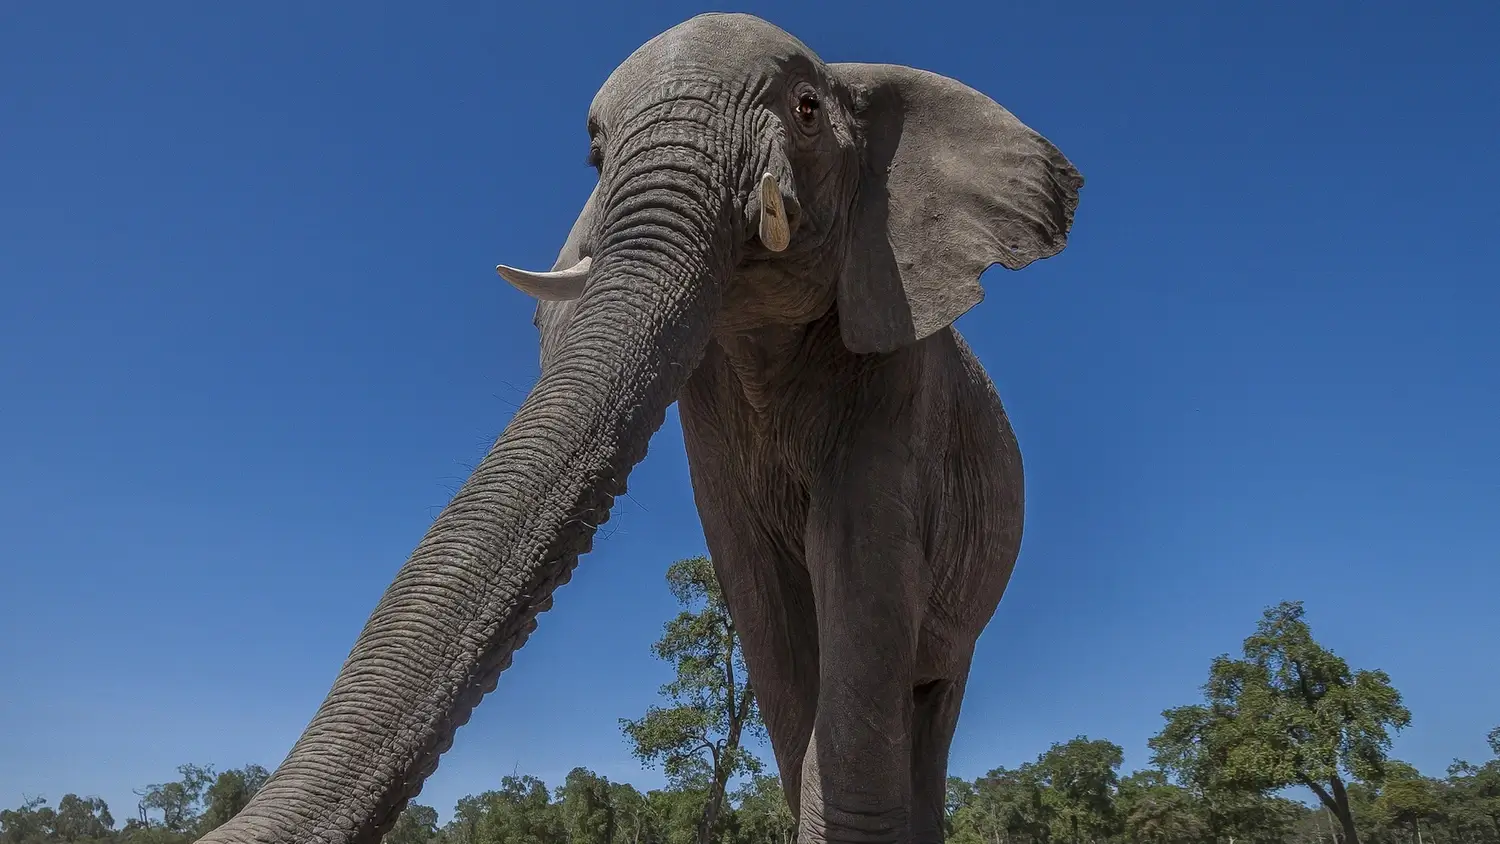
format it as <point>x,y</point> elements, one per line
<point>775,405</point>
<point>765,433</point>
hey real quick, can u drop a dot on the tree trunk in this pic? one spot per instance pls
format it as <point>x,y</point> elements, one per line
<point>739,711</point>
<point>1336,801</point>
<point>1341,810</point>
<point>710,815</point>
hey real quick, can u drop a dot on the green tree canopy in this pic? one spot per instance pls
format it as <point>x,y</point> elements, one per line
<point>32,822</point>
<point>699,739</point>
<point>633,821</point>
<point>1472,795</point>
<point>521,812</point>
<point>1406,798</point>
<point>676,814</point>
<point>417,824</point>
<point>1290,712</point>
<point>588,813</point>
<point>1009,805</point>
<point>83,819</point>
<point>1154,811</point>
<point>180,802</point>
<point>1081,775</point>
<point>763,814</point>
<point>230,792</point>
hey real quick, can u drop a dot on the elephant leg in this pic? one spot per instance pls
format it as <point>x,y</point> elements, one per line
<point>764,580</point>
<point>933,722</point>
<point>865,566</point>
<point>771,603</point>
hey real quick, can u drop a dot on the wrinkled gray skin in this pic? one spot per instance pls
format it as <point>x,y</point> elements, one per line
<point>858,482</point>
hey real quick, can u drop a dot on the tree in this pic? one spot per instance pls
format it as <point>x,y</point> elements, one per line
<point>1081,776</point>
<point>1473,795</point>
<point>1010,804</point>
<point>520,812</point>
<point>33,822</point>
<point>230,793</point>
<point>1290,712</point>
<point>467,817</point>
<point>1154,811</point>
<point>698,740</point>
<point>588,813</point>
<point>1259,818</point>
<point>1229,810</point>
<point>763,814</point>
<point>82,819</point>
<point>417,824</point>
<point>1407,798</point>
<point>632,814</point>
<point>676,814</point>
<point>180,802</point>
<point>76,820</point>
<point>959,798</point>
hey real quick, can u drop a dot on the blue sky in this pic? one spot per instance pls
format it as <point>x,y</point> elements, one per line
<point>251,341</point>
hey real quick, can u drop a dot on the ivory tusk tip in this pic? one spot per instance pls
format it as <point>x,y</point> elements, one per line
<point>558,285</point>
<point>775,231</point>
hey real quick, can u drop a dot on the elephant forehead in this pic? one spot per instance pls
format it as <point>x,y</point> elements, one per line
<point>727,48</point>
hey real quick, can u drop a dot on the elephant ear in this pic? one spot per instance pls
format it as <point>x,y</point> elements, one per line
<point>552,317</point>
<point>951,184</point>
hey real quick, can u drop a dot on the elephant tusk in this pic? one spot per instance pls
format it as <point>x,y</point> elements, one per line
<point>775,231</point>
<point>555,286</point>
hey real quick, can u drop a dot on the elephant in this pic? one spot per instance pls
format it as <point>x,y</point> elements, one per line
<point>780,246</point>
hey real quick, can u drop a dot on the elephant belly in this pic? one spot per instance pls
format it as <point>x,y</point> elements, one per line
<point>974,509</point>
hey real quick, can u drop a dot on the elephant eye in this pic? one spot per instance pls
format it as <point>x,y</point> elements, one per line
<point>807,107</point>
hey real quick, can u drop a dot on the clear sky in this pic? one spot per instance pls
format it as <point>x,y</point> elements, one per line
<point>251,340</point>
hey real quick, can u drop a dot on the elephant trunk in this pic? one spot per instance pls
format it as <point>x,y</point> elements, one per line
<point>468,597</point>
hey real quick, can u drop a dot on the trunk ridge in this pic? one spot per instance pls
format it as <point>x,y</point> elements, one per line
<point>468,597</point>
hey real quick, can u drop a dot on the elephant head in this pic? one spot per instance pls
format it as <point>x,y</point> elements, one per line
<point>742,183</point>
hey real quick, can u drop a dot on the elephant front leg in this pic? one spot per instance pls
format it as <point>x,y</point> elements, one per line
<point>865,566</point>
<point>933,723</point>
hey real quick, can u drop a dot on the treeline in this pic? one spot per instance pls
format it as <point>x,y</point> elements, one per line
<point>1288,713</point>
<point>1073,793</point>
<point>1070,793</point>
<point>167,813</point>
<point>523,810</point>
